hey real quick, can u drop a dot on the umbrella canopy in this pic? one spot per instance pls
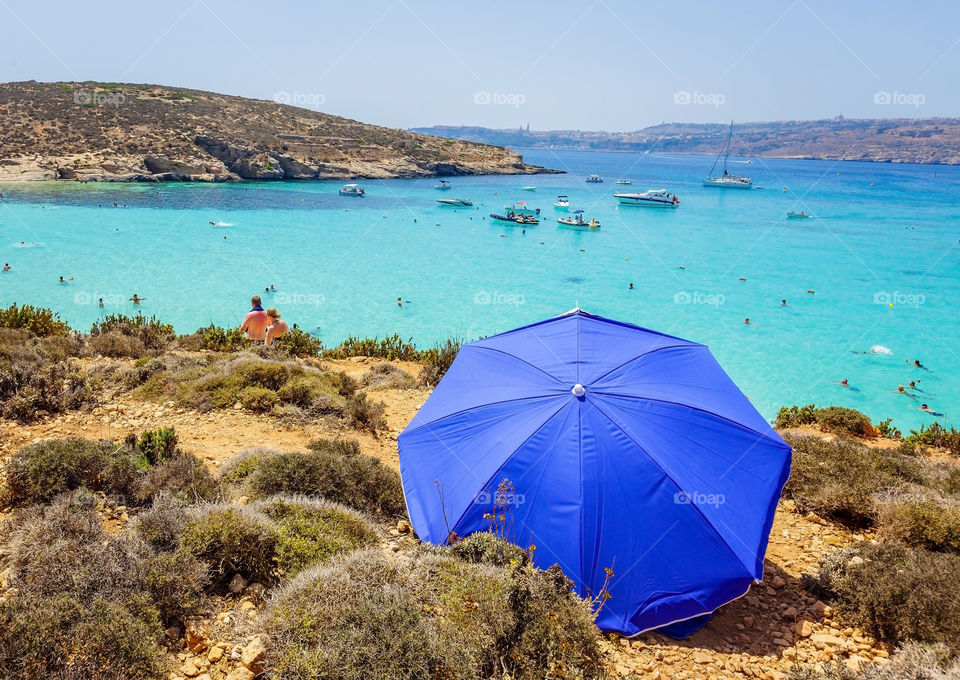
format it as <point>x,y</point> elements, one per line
<point>625,449</point>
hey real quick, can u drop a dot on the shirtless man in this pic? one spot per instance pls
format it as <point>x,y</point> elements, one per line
<point>255,322</point>
<point>277,327</point>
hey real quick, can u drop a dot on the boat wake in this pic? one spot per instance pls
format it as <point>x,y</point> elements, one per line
<point>222,224</point>
<point>876,349</point>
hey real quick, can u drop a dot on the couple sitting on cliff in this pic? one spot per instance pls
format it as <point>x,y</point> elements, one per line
<point>263,327</point>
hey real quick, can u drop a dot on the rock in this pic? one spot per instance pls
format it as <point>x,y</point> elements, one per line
<point>195,635</point>
<point>240,674</point>
<point>748,621</point>
<point>237,584</point>
<point>403,526</point>
<point>190,669</point>
<point>253,655</point>
<point>819,607</point>
<point>702,658</point>
<point>215,654</point>
<point>161,164</point>
<point>804,628</point>
<point>856,560</point>
<point>173,633</point>
<point>777,583</point>
<point>826,641</point>
<point>790,613</point>
<point>247,606</point>
<point>257,590</point>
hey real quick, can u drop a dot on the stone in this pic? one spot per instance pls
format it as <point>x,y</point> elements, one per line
<point>804,628</point>
<point>215,654</point>
<point>819,607</point>
<point>195,635</point>
<point>253,655</point>
<point>403,526</point>
<point>257,590</point>
<point>702,658</point>
<point>790,612</point>
<point>189,668</point>
<point>173,633</point>
<point>247,606</point>
<point>748,621</point>
<point>240,674</point>
<point>826,640</point>
<point>237,584</point>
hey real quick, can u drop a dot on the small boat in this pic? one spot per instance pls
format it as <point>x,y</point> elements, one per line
<point>623,181</point>
<point>562,202</point>
<point>442,185</point>
<point>516,218</point>
<point>455,201</point>
<point>352,190</point>
<point>595,179</point>
<point>726,180</point>
<point>520,208</point>
<point>578,221</point>
<point>529,188</point>
<point>659,198</point>
<point>793,214</point>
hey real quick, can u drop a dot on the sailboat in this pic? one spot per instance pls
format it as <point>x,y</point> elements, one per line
<point>726,180</point>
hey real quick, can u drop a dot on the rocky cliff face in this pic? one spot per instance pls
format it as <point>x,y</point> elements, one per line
<point>122,132</point>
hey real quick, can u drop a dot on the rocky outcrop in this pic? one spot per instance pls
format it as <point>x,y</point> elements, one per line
<point>50,131</point>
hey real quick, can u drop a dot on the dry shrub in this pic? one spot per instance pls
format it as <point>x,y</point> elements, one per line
<point>369,615</point>
<point>34,383</point>
<point>911,662</point>
<point>384,376</point>
<point>928,522</point>
<point>117,345</point>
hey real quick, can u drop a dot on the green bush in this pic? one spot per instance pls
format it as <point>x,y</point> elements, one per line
<point>117,345</point>
<point>232,540</point>
<point>298,343</point>
<point>39,321</point>
<point>156,445</point>
<point>937,436</point>
<point>438,360</point>
<point>897,593</point>
<point>930,523</point>
<point>835,419</point>
<point>152,333</point>
<point>219,339</point>
<point>840,479</point>
<point>182,476</point>
<point>365,413</point>
<point>335,471</point>
<point>39,472</point>
<point>35,381</point>
<point>311,532</point>
<point>259,399</point>
<point>446,618</point>
<point>484,547</point>
<point>175,582</point>
<point>390,348</point>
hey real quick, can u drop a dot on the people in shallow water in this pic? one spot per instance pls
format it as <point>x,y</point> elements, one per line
<point>6,267</point>
<point>916,362</point>
<point>62,280</point>
<point>277,328</point>
<point>747,321</point>
<point>901,390</point>
<point>630,287</point>
<point>845,383</point>
<point>399,302</point>
<point>924,407</point>
<point>783,303</point>
<point>136,299</point>
<point>100,303</point>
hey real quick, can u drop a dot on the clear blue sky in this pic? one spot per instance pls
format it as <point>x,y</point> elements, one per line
<point>598,65</point>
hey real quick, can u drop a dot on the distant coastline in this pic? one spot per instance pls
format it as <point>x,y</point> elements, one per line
<point>934,141</point>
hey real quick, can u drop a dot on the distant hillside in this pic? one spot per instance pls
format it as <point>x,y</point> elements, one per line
<point>115,131</point>
<point>932,140</point>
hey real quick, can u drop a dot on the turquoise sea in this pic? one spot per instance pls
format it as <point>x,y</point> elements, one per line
<point>882,254</point>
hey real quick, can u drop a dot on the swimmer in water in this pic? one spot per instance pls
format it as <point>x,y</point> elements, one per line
<point>747,321</point>
<point>399,302</point>
<point>783,303</point>
<point>6,267</point>
<point>62,280</point>
<point>845,383</point>
<point>136,299</point>
<point>100,303</point>
<point>630,287</point>
<point>273,288</point>
<point>916,363</point>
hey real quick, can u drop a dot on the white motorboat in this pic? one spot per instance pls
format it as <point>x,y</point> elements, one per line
<point>577,221</point>
<point>562,202</point>
<point>623,181</point>
<point>529,188</point>
<point>595,179</point>
<point>352,190</point>
<point>458,202</point>
<point>726,180</point>
<point>658,198</point>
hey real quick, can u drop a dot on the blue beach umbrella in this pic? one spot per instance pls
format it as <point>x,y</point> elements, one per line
<point>624,449</point>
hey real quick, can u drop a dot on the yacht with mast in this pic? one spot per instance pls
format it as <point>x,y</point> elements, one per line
<point>726,180</point>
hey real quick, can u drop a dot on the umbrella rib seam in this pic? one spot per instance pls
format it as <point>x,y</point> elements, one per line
<point>474,408</point>
<point>638,357</point>
<point>523,361</point>
<point>676,484</point>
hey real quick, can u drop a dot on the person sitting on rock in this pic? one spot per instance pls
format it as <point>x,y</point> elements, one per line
<point>277,328</point>
<point>255,322</point>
